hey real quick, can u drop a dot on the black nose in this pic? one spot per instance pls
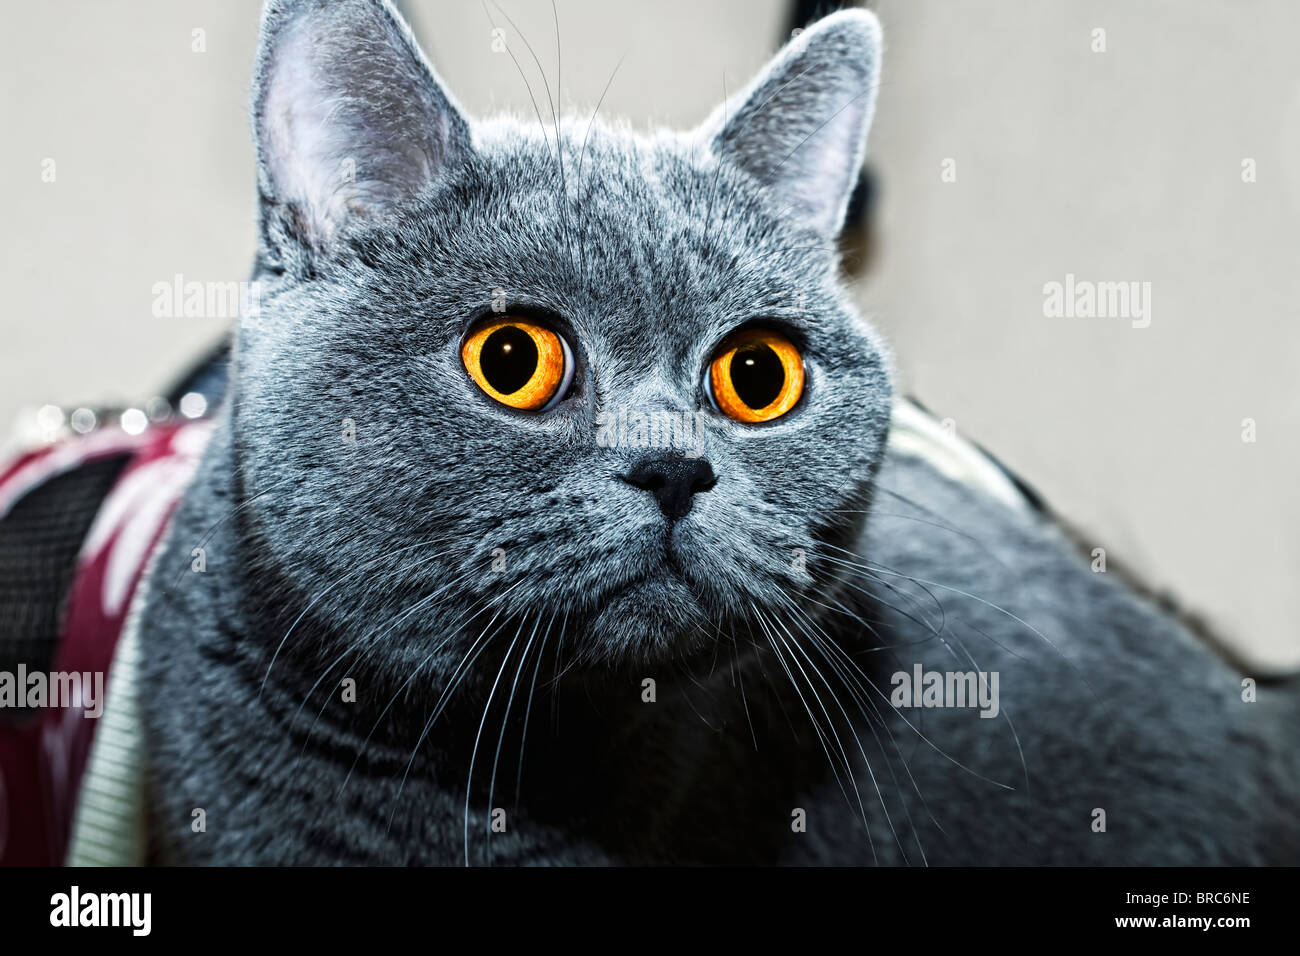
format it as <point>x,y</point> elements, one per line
<point>673,481</point>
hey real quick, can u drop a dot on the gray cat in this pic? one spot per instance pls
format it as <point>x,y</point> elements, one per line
<point>466,603</point>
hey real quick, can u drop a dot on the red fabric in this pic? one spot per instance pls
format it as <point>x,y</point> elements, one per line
<point>42,759</point>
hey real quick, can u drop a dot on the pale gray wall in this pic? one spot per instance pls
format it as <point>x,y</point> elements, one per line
<point>1122,165</point>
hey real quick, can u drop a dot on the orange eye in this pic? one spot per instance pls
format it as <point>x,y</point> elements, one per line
<point>756,375</point>
<point>519,362</point>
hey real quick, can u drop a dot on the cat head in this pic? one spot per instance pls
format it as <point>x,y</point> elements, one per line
<point>516,378</point>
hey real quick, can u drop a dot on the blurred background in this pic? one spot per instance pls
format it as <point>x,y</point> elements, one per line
<point>1016,142</point>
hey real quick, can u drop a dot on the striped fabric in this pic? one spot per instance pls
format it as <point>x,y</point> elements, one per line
<point>109,827</point>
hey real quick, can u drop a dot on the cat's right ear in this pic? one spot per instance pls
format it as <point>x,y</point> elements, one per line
<point>800,128</point>
<point>349,121</point>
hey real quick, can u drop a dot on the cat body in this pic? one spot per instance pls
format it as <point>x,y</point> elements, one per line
<point>434,629</point>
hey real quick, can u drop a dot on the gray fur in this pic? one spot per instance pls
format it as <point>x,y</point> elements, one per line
<point>377,559</point>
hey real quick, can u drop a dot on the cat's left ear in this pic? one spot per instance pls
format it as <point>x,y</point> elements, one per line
<point>349,120</point>
<point>800,127</point>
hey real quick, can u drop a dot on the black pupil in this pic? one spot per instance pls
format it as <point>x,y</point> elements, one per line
<point>508,359</point>
<point>757,375</point>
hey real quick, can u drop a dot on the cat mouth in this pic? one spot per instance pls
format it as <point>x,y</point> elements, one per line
<point>660,570</point>
<point>646,616</point>
<point>668,570</point>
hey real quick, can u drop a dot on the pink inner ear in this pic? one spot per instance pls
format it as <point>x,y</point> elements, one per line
<point>303,154</point>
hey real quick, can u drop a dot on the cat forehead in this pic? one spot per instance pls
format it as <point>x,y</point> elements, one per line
<point>620,145</point>
<point>599,163</point>
<point>630,211</point>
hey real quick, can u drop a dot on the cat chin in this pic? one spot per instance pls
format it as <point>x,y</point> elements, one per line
<point>645,621</point>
